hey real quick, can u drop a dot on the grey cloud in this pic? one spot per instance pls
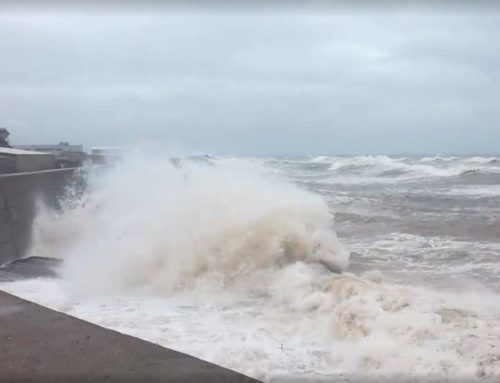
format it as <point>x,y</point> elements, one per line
<point>248,83</point>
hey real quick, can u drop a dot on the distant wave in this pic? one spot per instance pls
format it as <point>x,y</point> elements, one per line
<point>385,168</point>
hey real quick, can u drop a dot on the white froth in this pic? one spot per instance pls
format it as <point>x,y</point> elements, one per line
<point>151,225</point>
<point>300,322</point>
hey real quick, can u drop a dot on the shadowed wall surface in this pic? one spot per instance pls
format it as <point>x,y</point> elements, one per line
<point>18,195</point>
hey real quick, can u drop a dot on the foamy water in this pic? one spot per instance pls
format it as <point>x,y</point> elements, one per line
<point>230,260</point>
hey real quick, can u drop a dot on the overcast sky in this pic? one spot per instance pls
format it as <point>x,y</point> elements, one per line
<point>250,81</point>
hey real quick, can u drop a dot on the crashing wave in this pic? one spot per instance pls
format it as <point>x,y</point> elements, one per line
<point>148,224</point>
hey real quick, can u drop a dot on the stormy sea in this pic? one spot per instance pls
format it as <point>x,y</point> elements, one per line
<point>329,268</point>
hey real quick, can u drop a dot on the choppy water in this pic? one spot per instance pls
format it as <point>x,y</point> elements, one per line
<point>434,219</point>
<point>219,259</point>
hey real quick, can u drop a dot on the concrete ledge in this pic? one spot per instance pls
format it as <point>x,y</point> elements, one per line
<point>41,345</point>
<point>36,173</point>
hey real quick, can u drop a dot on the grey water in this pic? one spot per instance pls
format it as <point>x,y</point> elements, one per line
<point>416,219</point>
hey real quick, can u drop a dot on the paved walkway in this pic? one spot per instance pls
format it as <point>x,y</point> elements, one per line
<point>41,345</point>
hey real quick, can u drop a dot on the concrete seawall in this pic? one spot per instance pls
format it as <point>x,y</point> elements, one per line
<point>18,194</point>
<point>41,345</point>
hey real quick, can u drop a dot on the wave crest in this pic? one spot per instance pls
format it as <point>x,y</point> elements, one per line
<point>148,224</point>
<point>383,168</point>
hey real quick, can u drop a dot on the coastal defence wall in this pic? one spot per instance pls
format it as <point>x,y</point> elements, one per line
<point>18,195</point>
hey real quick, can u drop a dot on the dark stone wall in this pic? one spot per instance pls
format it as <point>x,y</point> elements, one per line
<point>18,194</point>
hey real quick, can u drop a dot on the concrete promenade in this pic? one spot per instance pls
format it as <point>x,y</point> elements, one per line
<point>41,345</point>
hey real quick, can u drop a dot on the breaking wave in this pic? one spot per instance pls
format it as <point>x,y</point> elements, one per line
<point>148,223</point>
<point>385,168</point>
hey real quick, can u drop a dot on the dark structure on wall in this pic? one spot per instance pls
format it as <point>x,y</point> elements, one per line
<point>4,133</point>
<point>66,155</point>
<point>18,195</point>
<point>24,161</point>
